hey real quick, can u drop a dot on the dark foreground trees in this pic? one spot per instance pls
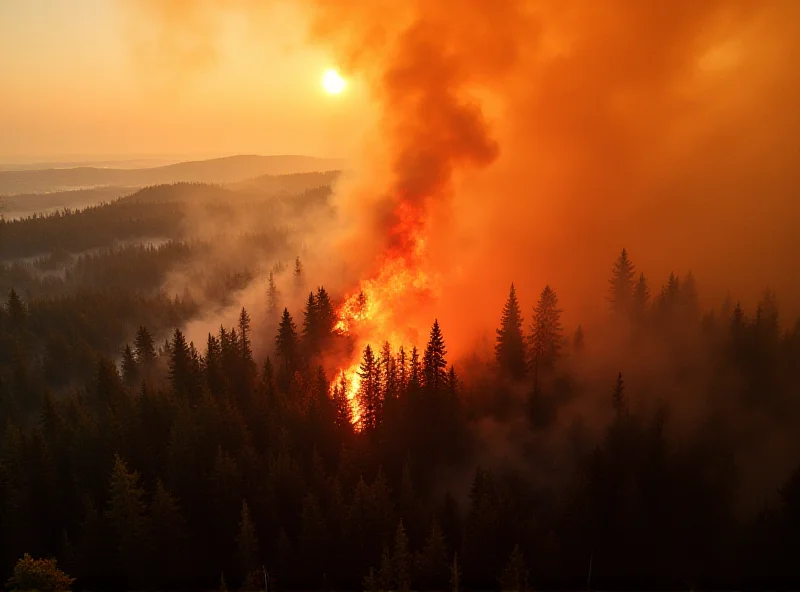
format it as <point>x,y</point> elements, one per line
<point>242,459</point>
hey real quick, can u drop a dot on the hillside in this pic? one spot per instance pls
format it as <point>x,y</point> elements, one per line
<point>218,170</point>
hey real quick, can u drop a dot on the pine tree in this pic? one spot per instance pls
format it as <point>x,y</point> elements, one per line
<point>127,516</point>
<point>401,560</point>
<point>432,560</point>
<point>386,573</point>
<point>310,325</point>
<point>15,308</point>
<point>247,549</point>
<point>546,333</point>
<point>370,581</point>
<point>286,340</point>
<point>621,284</point>
<point>402,370</point>
<point>169,536</point>
<point>515,574</point>
<point>669,297</point>
<point>641,297</point>
<point>578,340</point>
<point>215,379</point>
<point>246,350</point>
<point>130,369</point>
<point>434,365</point>
<point>299,279</point>
<point>144,347</point>
<point>388,372</point>
<point>455,575</point>
<point>181,366</point>
<point>510,347</point>
<point>414,370</point>
<point>272,298</point>
<point>342,407</point>
<point>618,398</point>
<point>326,316</point>
<point>369,393</point>
<point>689,299</point>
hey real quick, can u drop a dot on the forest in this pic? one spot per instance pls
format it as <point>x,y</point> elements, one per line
<point>142,460</point>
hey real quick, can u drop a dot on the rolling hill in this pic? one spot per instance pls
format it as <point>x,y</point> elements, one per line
<point>219,170</point>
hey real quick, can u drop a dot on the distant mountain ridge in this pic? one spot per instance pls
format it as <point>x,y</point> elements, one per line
<point>218,170</point>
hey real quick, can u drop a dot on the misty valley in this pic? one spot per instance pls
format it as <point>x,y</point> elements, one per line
<point>185,406</point>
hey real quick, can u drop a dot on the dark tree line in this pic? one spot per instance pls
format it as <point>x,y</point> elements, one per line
<point>187,465</point>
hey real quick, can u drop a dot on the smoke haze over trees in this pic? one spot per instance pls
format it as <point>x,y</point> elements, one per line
<point>546,334</point>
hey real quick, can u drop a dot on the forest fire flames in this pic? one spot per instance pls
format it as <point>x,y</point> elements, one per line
<point>370,314</point>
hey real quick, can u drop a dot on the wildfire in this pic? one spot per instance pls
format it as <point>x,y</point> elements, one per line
<point>374,313</point>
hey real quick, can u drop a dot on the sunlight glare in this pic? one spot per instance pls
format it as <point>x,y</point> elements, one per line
<point>332,82</point>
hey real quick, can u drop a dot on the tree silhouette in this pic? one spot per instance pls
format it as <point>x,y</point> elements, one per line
<point>286,341</point>
<point>641,297</point>
<point>618,399</point>
<point>272,297</point>
<point>369,391</point>
<point>15,308</point>
<point>510,347</point>
<point>621,284</point>
<point>247,550</point>
<point>515,574</point>
<point>546,334</point>
<point>130,369</point>
<point>434,364</point>
<point>127,516</point>
<point>144,347</point>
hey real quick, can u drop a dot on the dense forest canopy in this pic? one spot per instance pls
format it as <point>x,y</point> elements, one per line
<point>656,446</point>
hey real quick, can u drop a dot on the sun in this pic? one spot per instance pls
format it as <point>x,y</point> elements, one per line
<point>332,82</point>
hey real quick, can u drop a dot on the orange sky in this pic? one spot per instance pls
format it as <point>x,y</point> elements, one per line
<point>87,77</point>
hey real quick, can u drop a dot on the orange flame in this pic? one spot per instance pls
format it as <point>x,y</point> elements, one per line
<point>372,314</point>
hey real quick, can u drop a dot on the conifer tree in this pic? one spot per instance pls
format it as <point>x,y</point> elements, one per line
<point>455,575</point>
<point>169,536</point>
<point>369,392</point>
<point>414,370</point>
<point>272,297</point>
<point>434,365</point>
<point>546,333</point>
<point>432,560</point>
<point>15,307</point>
<point>386,573</point>
<point>509,350</point>
<point>244,336</point>
<point>181,366</point>
<point>388,372</point>
<point>621,284</point>
<point>144,347</point>
<point>343,411</point>
<point>215,378</point>
<point>401,560</point>
<point>618,398</point>
<point>130,369</point>
<point>286,341</point>
<point>668,299</point>
<point>127,516</point>
<point>310,325</point>
<point>299,276</point>
<point>641,297</point>
<point>247,549</point>
<point>515,574</point>
<point>578,340</point>
<point>326,316</point>
<point>402,370</point>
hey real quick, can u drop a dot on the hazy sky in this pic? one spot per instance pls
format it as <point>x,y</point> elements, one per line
<point>90,78</point>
